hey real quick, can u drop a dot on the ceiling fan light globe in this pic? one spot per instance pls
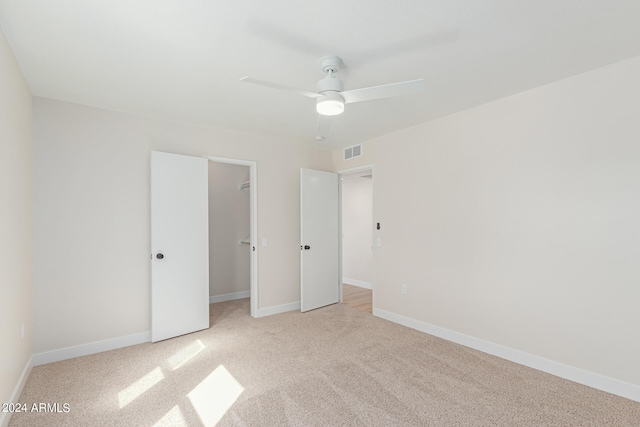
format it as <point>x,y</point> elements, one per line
<point>330,107</point>
<point>331,104</point>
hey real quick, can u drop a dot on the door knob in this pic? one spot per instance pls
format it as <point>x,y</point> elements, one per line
<point>307,247</point>
<point>160,256</point>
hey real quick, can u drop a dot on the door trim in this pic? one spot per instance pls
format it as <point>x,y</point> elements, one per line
<point>253,223</point>
<point>373,231</point>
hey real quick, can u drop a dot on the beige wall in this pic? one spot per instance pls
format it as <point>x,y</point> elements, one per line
<point>229,261</point>
<point>16,160</point>
<point>91,221</point>
<point>368,158</point>
<point>517,222</point>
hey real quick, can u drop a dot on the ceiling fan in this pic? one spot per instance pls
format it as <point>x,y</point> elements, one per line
<point>331,98</point>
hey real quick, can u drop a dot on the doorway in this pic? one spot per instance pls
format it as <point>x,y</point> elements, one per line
<point>357,229</point>
<point>233,262</point>
<point>229,232</point>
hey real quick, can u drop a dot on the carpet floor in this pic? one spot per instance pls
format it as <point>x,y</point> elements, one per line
<point>334,366</point>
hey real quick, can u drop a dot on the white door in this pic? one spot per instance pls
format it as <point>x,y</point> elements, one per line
<point>319,230</point>
<point>179,245</point>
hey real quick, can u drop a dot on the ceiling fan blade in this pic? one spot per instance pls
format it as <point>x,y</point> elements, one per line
<point>384,91</point>
<point>281,87</point>
<point>322,129</point>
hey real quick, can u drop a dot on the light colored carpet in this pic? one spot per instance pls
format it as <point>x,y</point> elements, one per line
<point>329,367</point>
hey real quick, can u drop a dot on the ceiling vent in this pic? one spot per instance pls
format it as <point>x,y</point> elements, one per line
<point>353,152</point>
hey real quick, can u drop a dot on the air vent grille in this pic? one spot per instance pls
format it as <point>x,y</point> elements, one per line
<point>353,152</point>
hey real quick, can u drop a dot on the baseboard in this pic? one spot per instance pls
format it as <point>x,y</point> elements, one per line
<point>277,309</point>
<point>5,417</point>
<point>229,297</point>
<point>600,382</point>
<point>90,348</point>
<point>356,282</point>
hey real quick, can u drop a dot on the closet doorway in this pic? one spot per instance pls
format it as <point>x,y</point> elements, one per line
<point>232,230</point>
<point>357,228</point>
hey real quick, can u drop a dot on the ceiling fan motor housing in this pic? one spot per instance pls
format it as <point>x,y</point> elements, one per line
<point>330,83</point>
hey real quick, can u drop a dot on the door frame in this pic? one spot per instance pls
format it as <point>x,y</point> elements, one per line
<point>373,229</point>
<point>253,223</point>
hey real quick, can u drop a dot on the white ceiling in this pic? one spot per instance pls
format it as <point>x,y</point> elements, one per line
<point>182,59</point>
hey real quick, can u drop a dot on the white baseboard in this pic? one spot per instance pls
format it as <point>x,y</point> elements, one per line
<point>229,297</point>
<point>600,382</point>
<point>90,348</point>
<point>5,417</point>
<point>277,309</point>
<point>356,282</point>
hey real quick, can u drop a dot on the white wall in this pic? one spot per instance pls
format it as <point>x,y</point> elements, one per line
<point>229,261</point>
<point>518,222</point>
<point>357,229</point>
<point>91,216</point>
<point>16,208</point>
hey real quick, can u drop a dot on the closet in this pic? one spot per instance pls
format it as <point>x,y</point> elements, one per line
<point>229,232</point>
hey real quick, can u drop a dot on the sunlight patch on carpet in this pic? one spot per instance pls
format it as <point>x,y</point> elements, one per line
<point>139,387</point>
<point>213,397</point>
<point>184,355</point>
<point>172,418</point>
